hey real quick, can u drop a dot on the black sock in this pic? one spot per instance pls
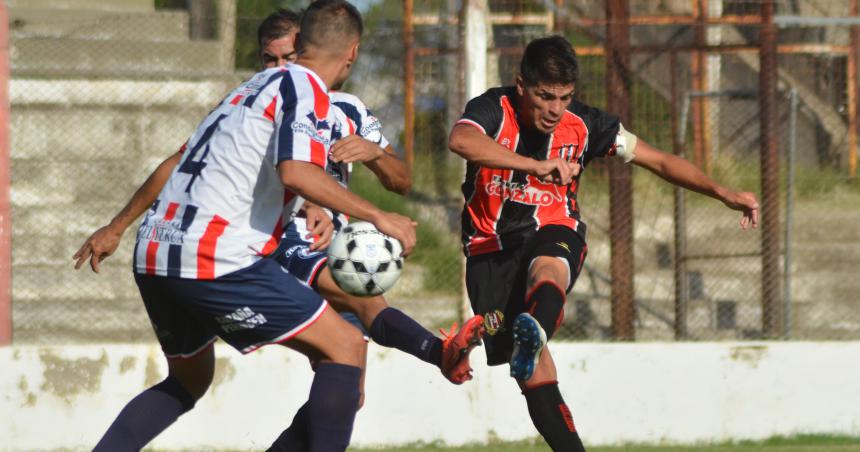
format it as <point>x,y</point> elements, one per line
<point>546,303</point>
<point>552,418</point>
<point>145,416</point>
<point>295,437</point>
<point>331,431</point>
<point>393,328</point>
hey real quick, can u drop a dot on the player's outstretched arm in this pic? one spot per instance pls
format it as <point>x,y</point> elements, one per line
<point>476,147</point>
<point>312,183</point>
<point>683,173</point>
<point>105,240</point>
<point>384,163</point>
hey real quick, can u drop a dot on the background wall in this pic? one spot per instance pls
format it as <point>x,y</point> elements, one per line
<point>65,397</point>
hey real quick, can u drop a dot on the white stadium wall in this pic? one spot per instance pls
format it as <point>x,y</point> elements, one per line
<point>65,397</point>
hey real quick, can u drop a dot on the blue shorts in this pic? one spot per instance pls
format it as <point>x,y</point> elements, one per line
<point>249,308</point>
<point>296,257</point>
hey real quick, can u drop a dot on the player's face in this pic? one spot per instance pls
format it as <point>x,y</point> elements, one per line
<point>542,105</point>
<point>279,52</point>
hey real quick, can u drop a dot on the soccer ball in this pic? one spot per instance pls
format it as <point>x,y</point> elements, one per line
<point>364,261</point>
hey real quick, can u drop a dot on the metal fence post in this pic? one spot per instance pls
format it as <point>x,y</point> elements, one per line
<point>227,33</point>
<point>408,84</point>
<point>853,85</point>
<point>5,182</point>
<point>620,175</point>
<point>772,316</point>
<point>679,211</point>
<point>789,213</point>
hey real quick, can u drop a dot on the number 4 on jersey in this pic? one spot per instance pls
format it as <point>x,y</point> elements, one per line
<point>195,167</point>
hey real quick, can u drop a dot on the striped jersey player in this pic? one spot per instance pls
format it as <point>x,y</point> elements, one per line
<point>205,225</point>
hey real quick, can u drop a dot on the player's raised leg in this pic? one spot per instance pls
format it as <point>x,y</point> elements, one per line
<point>390,327</point>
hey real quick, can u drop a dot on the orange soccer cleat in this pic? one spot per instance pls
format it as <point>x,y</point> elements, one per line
<point>456,348</point>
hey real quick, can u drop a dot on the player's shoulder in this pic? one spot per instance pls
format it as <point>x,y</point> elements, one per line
<point>340,97</point>
<point>587,112</point>
<point>496,94</point>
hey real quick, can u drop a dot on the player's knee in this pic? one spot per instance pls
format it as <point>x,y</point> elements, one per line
<point>548,270</point>
<point>194,374</point>
<point>353,347</point>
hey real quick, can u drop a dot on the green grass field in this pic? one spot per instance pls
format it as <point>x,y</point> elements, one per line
<point>805,443</point>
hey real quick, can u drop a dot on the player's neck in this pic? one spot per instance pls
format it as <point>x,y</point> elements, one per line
<point>327,69</point>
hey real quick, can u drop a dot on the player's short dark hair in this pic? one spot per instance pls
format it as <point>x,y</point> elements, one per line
<point>549,60</point>
<point>276,26</point>
<point>328,22</point>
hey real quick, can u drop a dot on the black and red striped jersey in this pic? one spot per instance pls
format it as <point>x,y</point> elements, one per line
<point>504,207</point>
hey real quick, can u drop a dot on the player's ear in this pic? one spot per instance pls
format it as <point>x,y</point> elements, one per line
<point>521,89</point>
<point>353,52</point>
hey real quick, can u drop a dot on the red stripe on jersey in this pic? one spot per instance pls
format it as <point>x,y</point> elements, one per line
<point>152,247</point>
<point>273,242</point>
<point>321,107</point>
<point>270,110</point>
<point>206,247</point>
<point>151,251</point>
<point>236,99</point>
<point>489,197</point>
<point>321,102</point>
<point>318,154</point>
<point>351,126</point>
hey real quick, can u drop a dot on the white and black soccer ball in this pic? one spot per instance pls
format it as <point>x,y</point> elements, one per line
<point>364,261</point>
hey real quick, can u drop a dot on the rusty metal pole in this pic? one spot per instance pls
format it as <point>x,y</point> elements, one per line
<point>697,63</point>
<point>408,85</point>
<point>853,88</point>
<point>679,217</point>
<point>770,236</point>
<point>559,24</point>
<point>620,175</point>
<point>5,183</point>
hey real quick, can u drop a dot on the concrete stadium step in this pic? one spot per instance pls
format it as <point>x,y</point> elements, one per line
<point>101,5</point>
<point>114,58</point>
<point>31,283</point>
<point>99,132</point>
<point>63,184</point>
<point>42,248</point>
<point>163,25</point>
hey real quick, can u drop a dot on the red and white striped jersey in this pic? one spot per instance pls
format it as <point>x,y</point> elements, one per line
<point>358,119</point>
<point>223,207</point>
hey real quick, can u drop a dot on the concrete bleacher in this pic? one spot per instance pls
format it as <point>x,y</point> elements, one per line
<point>100,93</point>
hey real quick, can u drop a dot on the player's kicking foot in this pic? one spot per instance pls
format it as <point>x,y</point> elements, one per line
<point>456,348</point>
<point>529,341</point>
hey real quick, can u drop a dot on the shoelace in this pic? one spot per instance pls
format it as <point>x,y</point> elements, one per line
<point>450,335</point>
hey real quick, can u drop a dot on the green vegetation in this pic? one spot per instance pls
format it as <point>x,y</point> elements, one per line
<point>802,443</point>
<point>438,251</point>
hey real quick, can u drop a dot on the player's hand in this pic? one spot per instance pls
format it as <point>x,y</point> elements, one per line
<point>746,203</point>
<point>98,247</point>
<point>397,226</point>
<point>353,149</point>
<point>557,171</point>
<point>320,226</point>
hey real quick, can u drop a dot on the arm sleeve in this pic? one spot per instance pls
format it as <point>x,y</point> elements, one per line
<point>367,125</point>
<point>483,112</point>
<point>300,133</point>
<point>603,131</point>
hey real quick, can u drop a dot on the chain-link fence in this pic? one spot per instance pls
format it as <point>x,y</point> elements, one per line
<point>101,94</point>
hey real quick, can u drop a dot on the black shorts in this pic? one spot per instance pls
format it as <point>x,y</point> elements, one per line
<point>497,281</point>
<point>258,305</point>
